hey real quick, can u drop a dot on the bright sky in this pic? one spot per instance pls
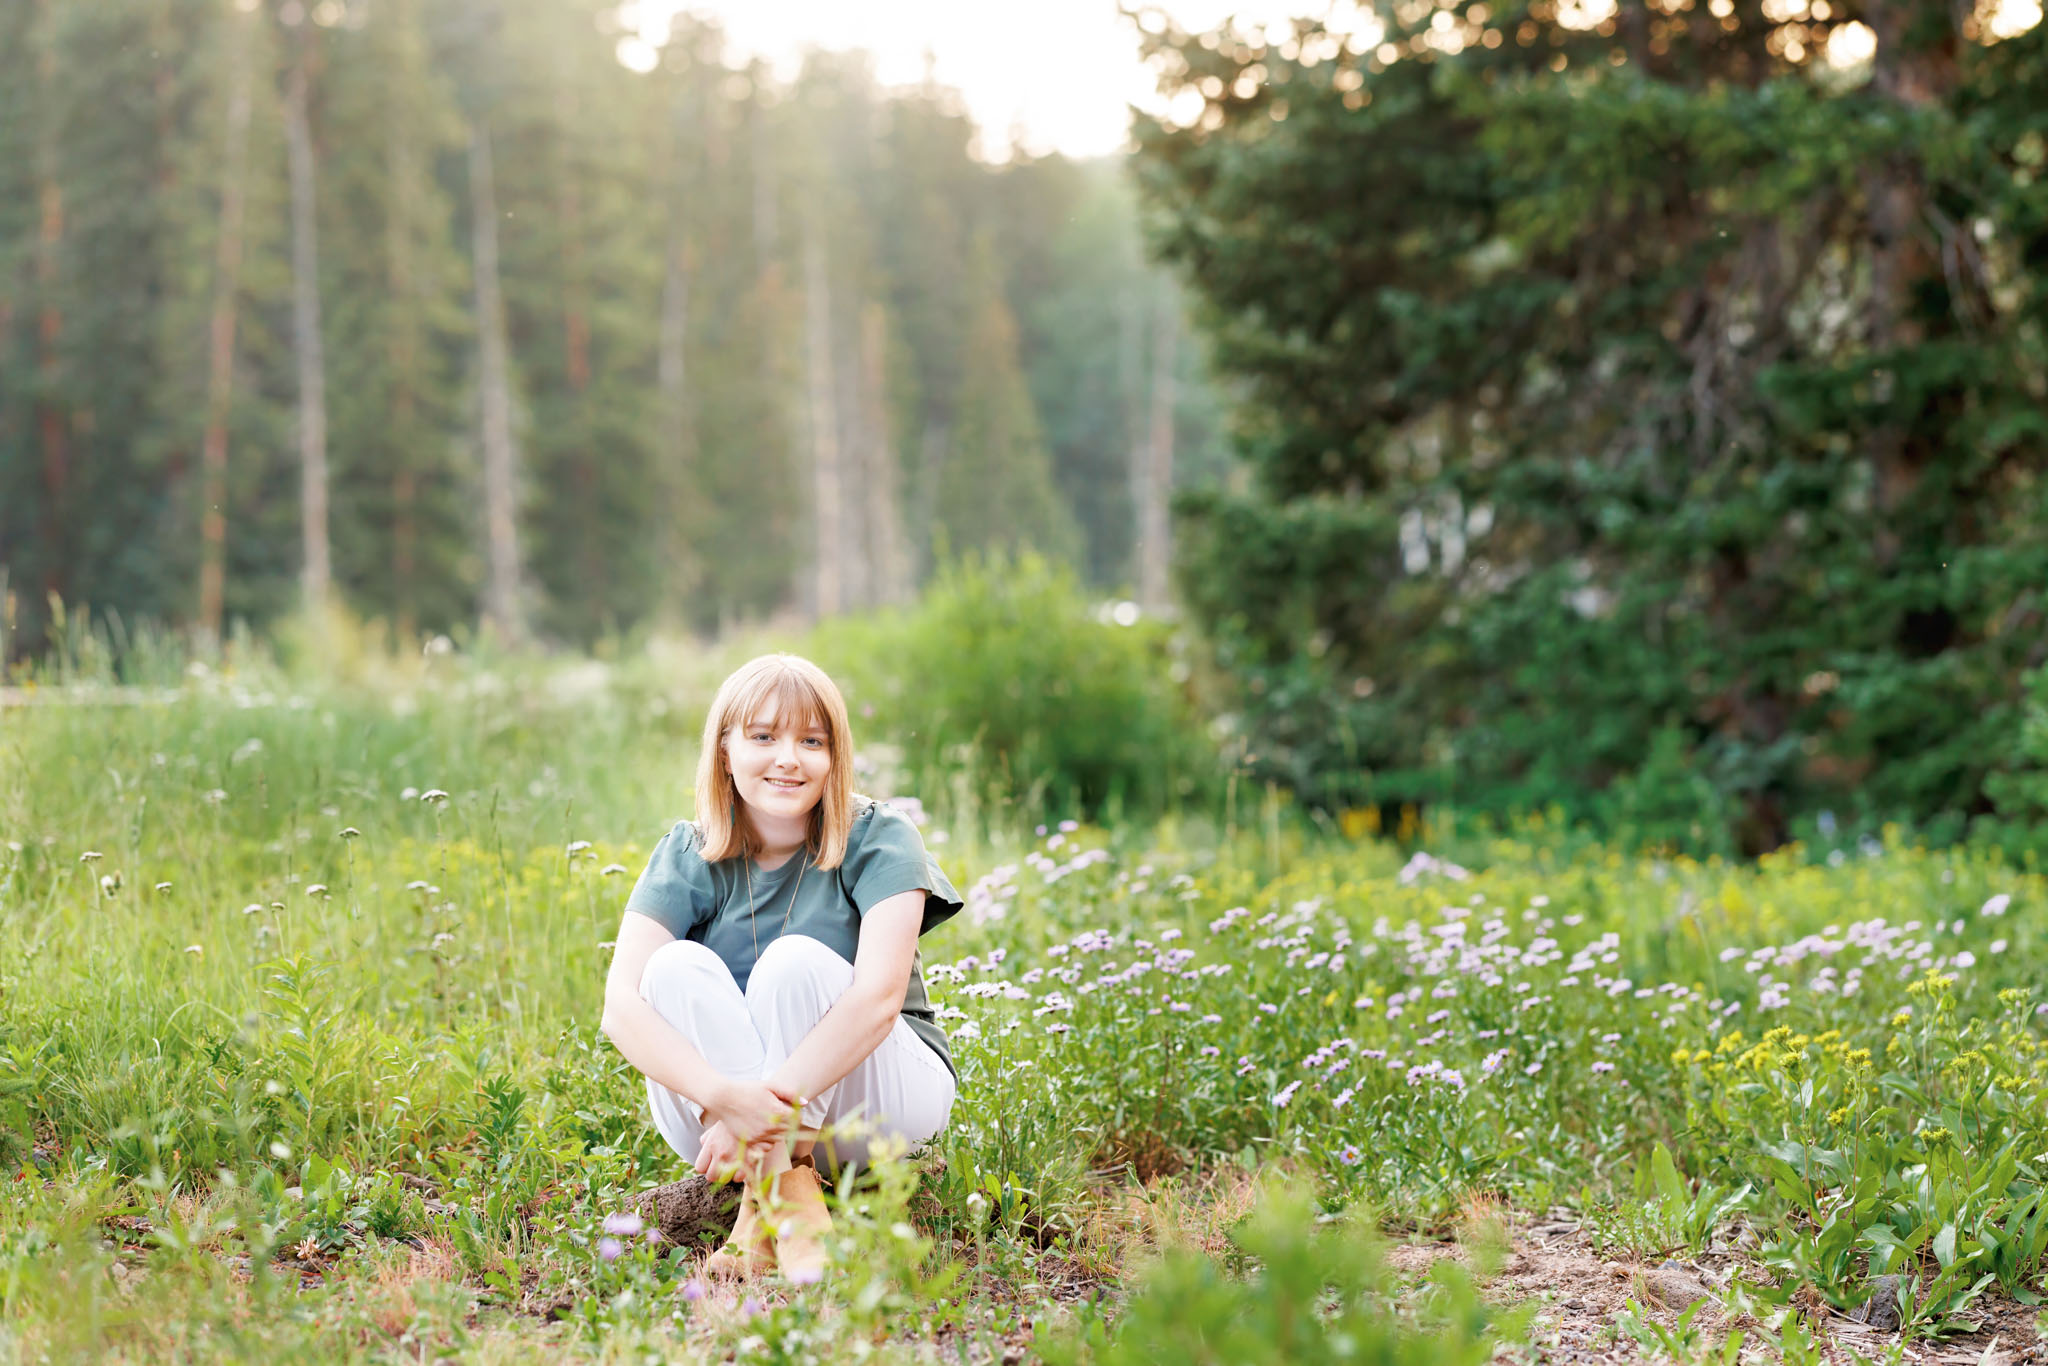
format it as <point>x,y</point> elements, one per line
<point>1060,72</point>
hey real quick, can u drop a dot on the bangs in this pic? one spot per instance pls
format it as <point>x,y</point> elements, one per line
<point>785,696</point>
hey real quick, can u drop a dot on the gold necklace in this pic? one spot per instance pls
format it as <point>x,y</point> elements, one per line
<point>753,928</point>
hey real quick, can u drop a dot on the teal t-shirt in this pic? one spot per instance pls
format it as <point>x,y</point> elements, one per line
<point>693,898</point>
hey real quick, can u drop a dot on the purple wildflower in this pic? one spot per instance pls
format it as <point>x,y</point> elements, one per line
<point>622,1225</point>
<point>610,1248</point>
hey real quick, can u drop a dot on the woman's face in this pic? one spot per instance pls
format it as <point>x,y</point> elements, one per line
<point>779,764</point>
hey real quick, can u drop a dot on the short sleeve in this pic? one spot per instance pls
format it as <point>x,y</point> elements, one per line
<point>675,888</point>
<point>889,858</point>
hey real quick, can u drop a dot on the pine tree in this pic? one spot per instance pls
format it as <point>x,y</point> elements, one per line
<point>995,490</point>
<point>220,331</point>
<point>401,326</point>
<point>308,343</point>
<point>1618,389</point>
<point>582,281</point>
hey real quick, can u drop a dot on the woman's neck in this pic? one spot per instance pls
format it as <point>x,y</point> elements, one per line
<point>780,838</point>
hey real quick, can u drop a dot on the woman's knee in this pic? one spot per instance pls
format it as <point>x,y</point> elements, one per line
<point>797,960</point>
<point>677,963</point>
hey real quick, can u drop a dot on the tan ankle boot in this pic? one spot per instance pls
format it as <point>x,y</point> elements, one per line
<point>747,1252</point>
<point>801,1222</point>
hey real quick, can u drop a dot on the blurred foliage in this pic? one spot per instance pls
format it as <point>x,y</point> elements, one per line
<point>673,357</point>
<point>1007,690</point>
<point>1315,1292</point>
<point>1644,414</point>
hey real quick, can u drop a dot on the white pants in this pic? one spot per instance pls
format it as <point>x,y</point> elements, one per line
<point>901,1092</point>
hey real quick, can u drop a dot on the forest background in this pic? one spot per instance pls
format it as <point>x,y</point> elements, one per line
<point>1630,412</point>
<point>435,309</point>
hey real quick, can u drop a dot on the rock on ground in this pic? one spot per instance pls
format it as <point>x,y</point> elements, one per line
<point>692,1213</point>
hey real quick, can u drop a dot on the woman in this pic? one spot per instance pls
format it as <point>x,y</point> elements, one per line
<point>765,980</point>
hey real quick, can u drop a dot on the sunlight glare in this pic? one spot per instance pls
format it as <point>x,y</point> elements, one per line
<point>1851,44</point>
<point>2012,18</point>
<point>637,54</point>
<point>1062,80</point>
<point>1586,14</point>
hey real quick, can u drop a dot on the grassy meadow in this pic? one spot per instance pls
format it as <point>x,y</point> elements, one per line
<point>299,990</point>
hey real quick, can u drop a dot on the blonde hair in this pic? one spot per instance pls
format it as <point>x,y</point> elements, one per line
<point>800,690</point>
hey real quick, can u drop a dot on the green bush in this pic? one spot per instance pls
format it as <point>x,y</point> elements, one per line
<point>1316,1292</point>
<point>1004,687</point>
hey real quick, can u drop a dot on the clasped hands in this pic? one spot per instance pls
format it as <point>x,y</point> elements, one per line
<point>750,1117</point>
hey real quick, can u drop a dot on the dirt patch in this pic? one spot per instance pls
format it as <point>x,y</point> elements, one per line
<point>2008,1333</point>
<point>1578,1299</point>
<point>1144,1154</point>
<point>1578,1296</point>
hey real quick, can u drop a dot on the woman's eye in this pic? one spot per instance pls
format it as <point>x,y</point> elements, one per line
<point>814,742</point>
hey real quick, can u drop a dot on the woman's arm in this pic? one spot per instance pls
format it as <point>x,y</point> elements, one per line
<point>661,1054</point>
<point>863,1016</point>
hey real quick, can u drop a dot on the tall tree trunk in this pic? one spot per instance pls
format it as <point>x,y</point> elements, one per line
<point>677,458</point>
<point>687,133</point>
<point>220,333</point>
<point>494,387</point>
<point>1130,376</point>
<point>1155,484</point>
<point>828,548</point>
<point>51,426</point>
<point>856,557</point>
<point>402,336</point>
<point>587,514</point>
<point>934,448</point>
<point>761,158</point>
<point>888,558</point>
<point>306,344</point>
<point>1915,73</point>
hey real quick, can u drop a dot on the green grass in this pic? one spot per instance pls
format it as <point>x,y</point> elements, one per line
<point>266,1009</point>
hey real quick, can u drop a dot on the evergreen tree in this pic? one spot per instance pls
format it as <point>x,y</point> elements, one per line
<point>400,326</point>
<point>309,343</point>
<point>224,307</point>
<point>995,489</point>
<point>1621,383</point>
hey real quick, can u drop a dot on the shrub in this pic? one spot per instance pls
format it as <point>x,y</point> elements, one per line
<point>1316,1292</point>
<point>1003,685</point>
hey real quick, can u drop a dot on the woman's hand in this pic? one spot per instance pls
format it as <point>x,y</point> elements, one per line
<point>750,1112</point>
<point>721,1157</point>
<point>718,1156</point>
